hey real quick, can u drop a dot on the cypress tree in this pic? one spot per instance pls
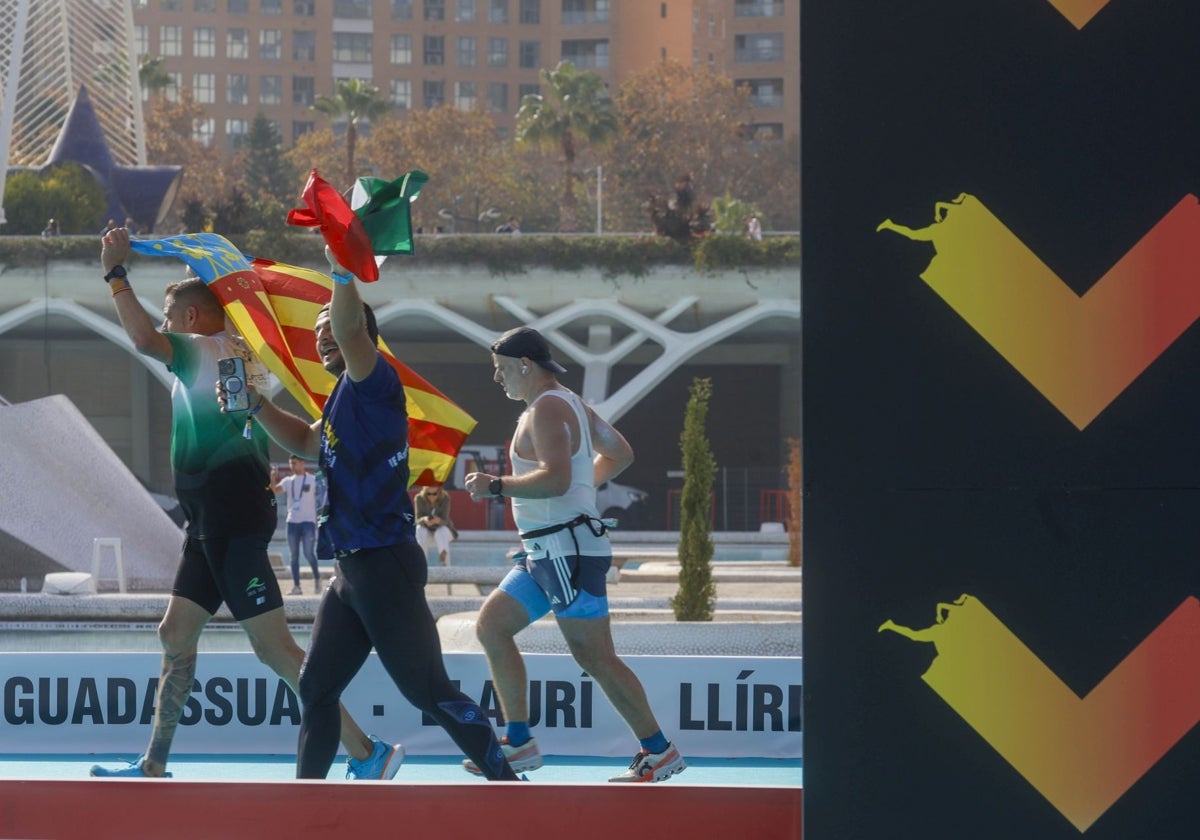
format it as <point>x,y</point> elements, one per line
<point>696,598</point>
<point>795,500</point>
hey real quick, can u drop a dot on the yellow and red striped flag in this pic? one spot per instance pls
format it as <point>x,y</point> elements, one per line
<point>274,307</point>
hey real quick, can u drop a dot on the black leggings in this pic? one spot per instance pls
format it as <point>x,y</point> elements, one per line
<point>377,599</point>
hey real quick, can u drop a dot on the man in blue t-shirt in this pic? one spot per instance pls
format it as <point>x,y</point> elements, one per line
<point>376,597</point>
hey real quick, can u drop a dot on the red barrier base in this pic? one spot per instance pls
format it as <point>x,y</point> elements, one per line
<point>124,809</point>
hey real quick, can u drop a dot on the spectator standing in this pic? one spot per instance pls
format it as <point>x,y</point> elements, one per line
<point>754,229</point>
<point>299,493</point>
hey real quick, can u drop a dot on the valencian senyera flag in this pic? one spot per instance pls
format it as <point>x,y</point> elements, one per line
<point>274,307</point>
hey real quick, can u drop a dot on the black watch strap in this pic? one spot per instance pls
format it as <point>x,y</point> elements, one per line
<point>496,487</point>
<point>117,271</point>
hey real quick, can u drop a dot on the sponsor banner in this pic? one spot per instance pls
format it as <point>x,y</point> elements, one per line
<point>1001,325</point>
<point>104,703</point>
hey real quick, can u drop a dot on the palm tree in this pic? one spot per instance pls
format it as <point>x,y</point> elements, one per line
<point>152,74</point>
<point>355,100</point>
<point>578,110</point>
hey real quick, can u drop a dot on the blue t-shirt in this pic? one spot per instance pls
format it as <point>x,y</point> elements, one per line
<point>364,457</point>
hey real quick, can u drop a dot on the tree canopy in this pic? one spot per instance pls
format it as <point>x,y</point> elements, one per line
<point>67,193</point>
<point>172,138</point>
<point>576,112</point>
<point>678,119</point>
<point>475,171</point>
<point>152,74</point>
<point>667,120</point>
<point>354,101</point>
<point>268,175</point>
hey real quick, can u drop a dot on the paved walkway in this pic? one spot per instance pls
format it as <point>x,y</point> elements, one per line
<point>633,591</point>
<point>750,594</point>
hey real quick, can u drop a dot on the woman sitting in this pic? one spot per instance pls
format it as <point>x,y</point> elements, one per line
<point>434,527</point>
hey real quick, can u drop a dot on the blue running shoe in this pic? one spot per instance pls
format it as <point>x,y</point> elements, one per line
<point>133,771</point>
<point>382,764</point>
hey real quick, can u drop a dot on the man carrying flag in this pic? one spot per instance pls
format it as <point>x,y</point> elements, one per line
<point>273,305</point>
<point>437,427</point>
<point>222,482</point>
<point>376,597</point>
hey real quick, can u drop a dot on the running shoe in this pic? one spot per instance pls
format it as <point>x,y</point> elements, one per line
<point>521,759</point>
<point>382,764</point>
<point>133,771</point>
<point>295,591</point>
<point>653,767</point>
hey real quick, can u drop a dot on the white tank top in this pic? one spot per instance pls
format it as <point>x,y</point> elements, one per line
<point>580,498</point>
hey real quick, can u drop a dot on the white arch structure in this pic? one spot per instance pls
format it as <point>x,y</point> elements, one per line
<point>597,358</point>
<point>98,324</point>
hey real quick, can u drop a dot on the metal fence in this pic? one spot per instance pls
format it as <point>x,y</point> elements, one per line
<point>742,499</point>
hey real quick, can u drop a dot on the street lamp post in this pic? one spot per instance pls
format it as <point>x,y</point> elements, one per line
<point>599,200</point>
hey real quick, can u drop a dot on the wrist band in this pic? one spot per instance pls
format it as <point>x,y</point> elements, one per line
<point>125,288</point>
<point>248,432</point>
<point>343,279</point>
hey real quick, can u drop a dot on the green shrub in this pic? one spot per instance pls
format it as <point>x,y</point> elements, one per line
<point>614,256</point>
<point>731,214</point>
<point>66,192</point>
<point>717,253</point>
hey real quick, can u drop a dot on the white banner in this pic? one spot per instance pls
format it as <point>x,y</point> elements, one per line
<point>104,702</point>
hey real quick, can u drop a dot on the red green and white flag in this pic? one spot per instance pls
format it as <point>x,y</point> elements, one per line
<point>380,225</point>
<point>383,207</point>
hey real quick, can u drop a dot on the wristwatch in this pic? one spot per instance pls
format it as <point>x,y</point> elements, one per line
<point>496,487</point>
<point>117,271</point>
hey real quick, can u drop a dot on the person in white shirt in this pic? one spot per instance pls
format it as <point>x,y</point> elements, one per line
<point>754,228</point>
<point>435,529</point>
<point>299,492</point>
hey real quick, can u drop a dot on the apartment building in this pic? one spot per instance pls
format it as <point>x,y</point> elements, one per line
<point>242,57</point>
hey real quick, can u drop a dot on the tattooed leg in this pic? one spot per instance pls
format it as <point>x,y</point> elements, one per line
<point>179,633</point>
<point>174,688</point>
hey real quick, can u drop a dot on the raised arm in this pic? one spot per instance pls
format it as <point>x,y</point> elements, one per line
<point>349,324</point>
<point>138,325</point>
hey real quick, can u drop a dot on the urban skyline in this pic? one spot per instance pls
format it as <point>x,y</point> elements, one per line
<point>239,58</point>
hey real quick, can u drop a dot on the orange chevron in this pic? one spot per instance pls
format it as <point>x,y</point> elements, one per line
<point>1079,352</point>
<point>1079,12</point>
<point>1082,754</point>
